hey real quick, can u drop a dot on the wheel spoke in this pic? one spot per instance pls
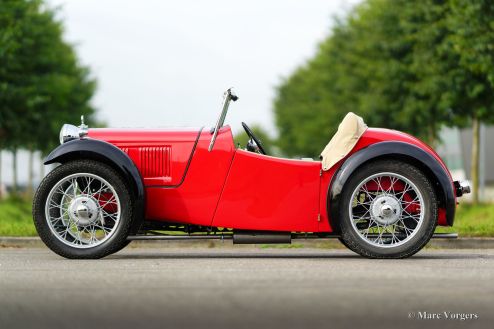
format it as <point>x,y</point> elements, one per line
<point>386,228</point>
<point>90,193</point>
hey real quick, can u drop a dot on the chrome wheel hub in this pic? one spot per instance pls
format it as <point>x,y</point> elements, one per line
<point>386,209</point>
<point>83,210</point>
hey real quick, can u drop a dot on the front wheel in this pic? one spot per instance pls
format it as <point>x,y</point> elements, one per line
<point>83,209</point>
<point>388,210</point>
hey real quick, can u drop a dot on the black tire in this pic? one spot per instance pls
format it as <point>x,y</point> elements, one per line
<point>343,243</point>
<point>355,242</point>
<point>350,247</point>
<point>115,242</point>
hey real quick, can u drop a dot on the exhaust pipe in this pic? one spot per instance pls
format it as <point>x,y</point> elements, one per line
<point>256,237</point>
<point>461,188</point>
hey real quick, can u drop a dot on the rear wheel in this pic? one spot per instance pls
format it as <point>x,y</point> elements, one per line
<point>388,210</point>
<point>83,209</point>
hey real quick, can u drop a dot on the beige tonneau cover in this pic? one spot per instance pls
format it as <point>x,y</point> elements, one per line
<point>349,132</point>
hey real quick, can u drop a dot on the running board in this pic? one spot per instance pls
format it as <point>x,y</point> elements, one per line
<point>261,238</point>
<point>181,237</point>
<point>445,236</point>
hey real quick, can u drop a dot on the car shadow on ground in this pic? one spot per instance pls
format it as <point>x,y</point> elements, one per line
<point>274,255</point>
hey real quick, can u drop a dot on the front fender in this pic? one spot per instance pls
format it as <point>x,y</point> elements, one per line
<point>111,155</point>
<point>425,161</point>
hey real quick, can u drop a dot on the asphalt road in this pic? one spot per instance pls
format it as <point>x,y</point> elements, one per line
<point>246,288</point>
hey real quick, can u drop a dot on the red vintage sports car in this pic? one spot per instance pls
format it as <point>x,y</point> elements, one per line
<point>381,192</point>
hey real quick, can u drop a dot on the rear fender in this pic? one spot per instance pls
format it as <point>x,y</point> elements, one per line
<point>410,153</point>
<point>112,156</point>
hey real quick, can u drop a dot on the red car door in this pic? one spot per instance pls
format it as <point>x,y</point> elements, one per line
<point>268,193</point>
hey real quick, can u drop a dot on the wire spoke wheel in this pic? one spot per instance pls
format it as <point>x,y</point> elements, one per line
<point>83,210</point>
<point>386,209</point>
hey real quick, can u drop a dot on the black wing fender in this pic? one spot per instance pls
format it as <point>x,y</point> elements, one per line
<point>396,150</point>
<point>111,155</point>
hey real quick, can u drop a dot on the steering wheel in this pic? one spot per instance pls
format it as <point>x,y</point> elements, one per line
<point>254,138</point>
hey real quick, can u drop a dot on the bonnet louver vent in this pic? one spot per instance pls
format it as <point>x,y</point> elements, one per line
<point>155,161</point>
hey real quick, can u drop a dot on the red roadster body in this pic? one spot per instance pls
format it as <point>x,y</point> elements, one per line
<point>380,191</point>
<point>234,188</point>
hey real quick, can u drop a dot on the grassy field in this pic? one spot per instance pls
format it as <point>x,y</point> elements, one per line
<point>473,221</point>
<point>16,218</point>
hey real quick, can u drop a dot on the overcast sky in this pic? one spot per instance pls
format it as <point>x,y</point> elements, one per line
<point>167,63</point>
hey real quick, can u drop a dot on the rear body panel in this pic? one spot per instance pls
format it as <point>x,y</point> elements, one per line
<point>370,137</point>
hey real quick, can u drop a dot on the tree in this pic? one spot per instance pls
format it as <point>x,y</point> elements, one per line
<point>472,41</point>
<point>42,83</point>
<point>366,66</point>
<point>307,106</point>
<point>455,65</point>
<point>1,181</point>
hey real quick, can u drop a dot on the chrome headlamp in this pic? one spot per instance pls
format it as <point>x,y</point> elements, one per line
<point>70,132</point>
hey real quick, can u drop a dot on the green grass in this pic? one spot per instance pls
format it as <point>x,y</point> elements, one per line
<point>473,221</point>
<point>16,218</point>
<point>470,221</point>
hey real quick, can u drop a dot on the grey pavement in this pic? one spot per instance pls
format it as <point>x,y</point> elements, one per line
<point>460,243</point>
<point>246,288</point>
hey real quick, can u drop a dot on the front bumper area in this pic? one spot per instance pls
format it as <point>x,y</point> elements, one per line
<point>461,188</point>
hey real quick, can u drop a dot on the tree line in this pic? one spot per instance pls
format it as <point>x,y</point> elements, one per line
<point>415,66</point>
<point>42,82</point>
